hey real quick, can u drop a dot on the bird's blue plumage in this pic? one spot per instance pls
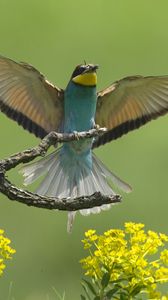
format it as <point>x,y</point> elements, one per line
<point>75,157</point>
<point>80,106</point>
<point>73,170</point>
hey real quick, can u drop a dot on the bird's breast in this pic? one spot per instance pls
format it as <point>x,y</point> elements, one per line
<point>80,107</point>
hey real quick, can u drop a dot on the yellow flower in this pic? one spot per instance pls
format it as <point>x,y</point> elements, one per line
<point>125,258</point>
<point>155,264</point>
<point>161,274</point>
<point>133,227</point>
<point>5,251</point>
<point>164,256</point>
<point>89,233</point>
<point>163,237</point>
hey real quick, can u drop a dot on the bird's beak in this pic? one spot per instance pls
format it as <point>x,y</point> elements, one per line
<point>91,69</point>
<point>94,67</point>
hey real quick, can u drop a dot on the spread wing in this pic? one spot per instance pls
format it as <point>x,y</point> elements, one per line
<point>130,103</point>
<point>28,98</point>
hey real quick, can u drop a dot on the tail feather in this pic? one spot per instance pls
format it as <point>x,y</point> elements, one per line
<point>48,184</point>
<point>71,218</point>
<point>33,171</point>
<point>67,178</point>
<point>114,178</point>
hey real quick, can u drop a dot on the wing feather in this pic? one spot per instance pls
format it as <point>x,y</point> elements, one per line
<point>29,98</point>
<point>130,103</point>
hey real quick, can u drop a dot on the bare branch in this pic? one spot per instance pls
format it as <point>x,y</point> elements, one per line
<point>32,199</point>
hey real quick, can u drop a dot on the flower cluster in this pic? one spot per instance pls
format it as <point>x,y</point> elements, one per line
<point>5,251</point>
<point>124,262</point>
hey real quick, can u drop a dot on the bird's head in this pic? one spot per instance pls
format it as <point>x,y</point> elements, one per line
<point>85,75</point>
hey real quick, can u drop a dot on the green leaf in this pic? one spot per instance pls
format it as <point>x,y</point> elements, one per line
<point>97,298</point>
<point>58,295</point>
<point>118,280</point>
<point>86,291</point>
<point>105,280</point>
<point>122,297</point>
<point>137,290</point>
<point>90,286</point>
<point>110,293</point>
<point>83,297</point>
<point>123,294</point>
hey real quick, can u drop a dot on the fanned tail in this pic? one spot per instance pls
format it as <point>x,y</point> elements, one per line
<point>72,178</point>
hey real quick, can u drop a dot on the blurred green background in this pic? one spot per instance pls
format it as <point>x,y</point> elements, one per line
<point>125,37</point>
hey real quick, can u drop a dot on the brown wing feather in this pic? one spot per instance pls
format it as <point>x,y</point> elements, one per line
<point>28,98</point>
<point>130,103</point>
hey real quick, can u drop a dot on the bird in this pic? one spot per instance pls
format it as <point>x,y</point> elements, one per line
<point>73,170</point>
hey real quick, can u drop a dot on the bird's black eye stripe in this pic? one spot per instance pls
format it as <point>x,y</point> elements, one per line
<point>79,70</point>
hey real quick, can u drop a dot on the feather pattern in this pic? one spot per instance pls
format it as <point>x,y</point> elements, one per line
<point>67,178</point>
<point>28,98</point>
<point>130,103</point>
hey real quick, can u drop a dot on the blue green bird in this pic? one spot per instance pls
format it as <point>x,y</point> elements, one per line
<point>73,170</point>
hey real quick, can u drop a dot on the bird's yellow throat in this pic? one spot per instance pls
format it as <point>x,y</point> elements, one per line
<point>87,79</point>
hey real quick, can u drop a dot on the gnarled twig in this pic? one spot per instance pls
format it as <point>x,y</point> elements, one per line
<point>32,199</point>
